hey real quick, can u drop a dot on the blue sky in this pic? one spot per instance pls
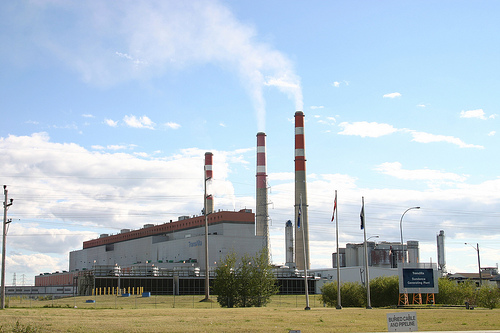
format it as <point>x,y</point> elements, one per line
<point>107,109</point>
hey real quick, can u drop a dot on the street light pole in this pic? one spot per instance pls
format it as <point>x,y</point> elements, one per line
<point>401,231</point>
<point>478,262</point>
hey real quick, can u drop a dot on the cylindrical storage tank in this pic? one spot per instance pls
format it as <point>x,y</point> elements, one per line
<point>341,258</point>
<point>351,255</point>
<point>413,251</point>
<point>381,258</point>
<point>440,251</point>
<point>289,242</point>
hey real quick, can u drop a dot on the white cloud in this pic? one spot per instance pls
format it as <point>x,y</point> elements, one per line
<point>42,239</point>
<point>317,107</point>
<point>141,122</point>
<point>142,154</point>
<point>366,129</point>
<point>423,137</point>
<point>120,147</point>
<point>172,125</point>
<point>375,130</point>
<point>395,169</point>
<point>422,105</point>
<point>337,84</point>
<point>281,176</point>
<point>392,95</point>
<point>478,113</point>
<point>128,57</point>
<point>34,264</point>
<point>492,133</point>
<point>111,123</point>
<point>87,115</point>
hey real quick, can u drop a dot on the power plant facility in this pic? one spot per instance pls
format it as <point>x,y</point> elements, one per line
<point>174,252</point>
<point>176,257</point>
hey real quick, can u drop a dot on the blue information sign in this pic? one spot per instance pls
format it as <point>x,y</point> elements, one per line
<point>418,278</point>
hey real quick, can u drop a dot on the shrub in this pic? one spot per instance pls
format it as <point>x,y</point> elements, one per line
<point>488,296</point>
<point>454,293</point>
<point>352,294</point>
<point>329,294</point>
<point>384,291</point>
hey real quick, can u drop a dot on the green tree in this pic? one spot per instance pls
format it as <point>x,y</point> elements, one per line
<point>384,290</point>
<point>225,285</point>
<point>263,279</point>
<point>246,282</point>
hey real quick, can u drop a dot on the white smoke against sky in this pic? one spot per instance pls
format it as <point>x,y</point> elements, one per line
<point>114,42</point>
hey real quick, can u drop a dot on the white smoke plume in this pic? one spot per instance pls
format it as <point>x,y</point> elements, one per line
<point>130,40</point>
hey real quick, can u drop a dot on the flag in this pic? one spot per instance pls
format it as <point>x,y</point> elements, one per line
<point>298,218</point>
<point>334,206</point>
<point>362,217</point>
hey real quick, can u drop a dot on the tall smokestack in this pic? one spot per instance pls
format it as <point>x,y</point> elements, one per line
<point>441,253</point>
<point>301,236</point>
<point>208,175</point>
<point>289,243</point>
<point>261,214</point>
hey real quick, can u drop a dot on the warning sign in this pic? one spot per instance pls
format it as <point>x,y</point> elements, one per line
<point>402,322</point>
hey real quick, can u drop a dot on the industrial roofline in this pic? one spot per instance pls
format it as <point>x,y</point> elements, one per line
<point>243,216</point>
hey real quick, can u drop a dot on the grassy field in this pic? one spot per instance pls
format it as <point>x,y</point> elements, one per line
<point>160,314</point>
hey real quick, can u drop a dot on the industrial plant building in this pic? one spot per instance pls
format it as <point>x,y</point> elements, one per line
<point>167,258</point>
<point>171,244</point>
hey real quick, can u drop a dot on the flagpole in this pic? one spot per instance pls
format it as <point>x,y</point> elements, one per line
<point>336,212</point>
<point>305,259</point>
<point>363,226</point>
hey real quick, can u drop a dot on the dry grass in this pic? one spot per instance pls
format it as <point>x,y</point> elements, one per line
<point>281,315</point>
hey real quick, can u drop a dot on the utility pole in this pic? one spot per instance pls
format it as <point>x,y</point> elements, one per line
<point>4,238</point>
<point>479,265</point>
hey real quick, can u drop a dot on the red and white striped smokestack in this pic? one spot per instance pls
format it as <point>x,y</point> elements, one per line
<point>208,175</point>
<point>301,236</point>
<point>261,214</point>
